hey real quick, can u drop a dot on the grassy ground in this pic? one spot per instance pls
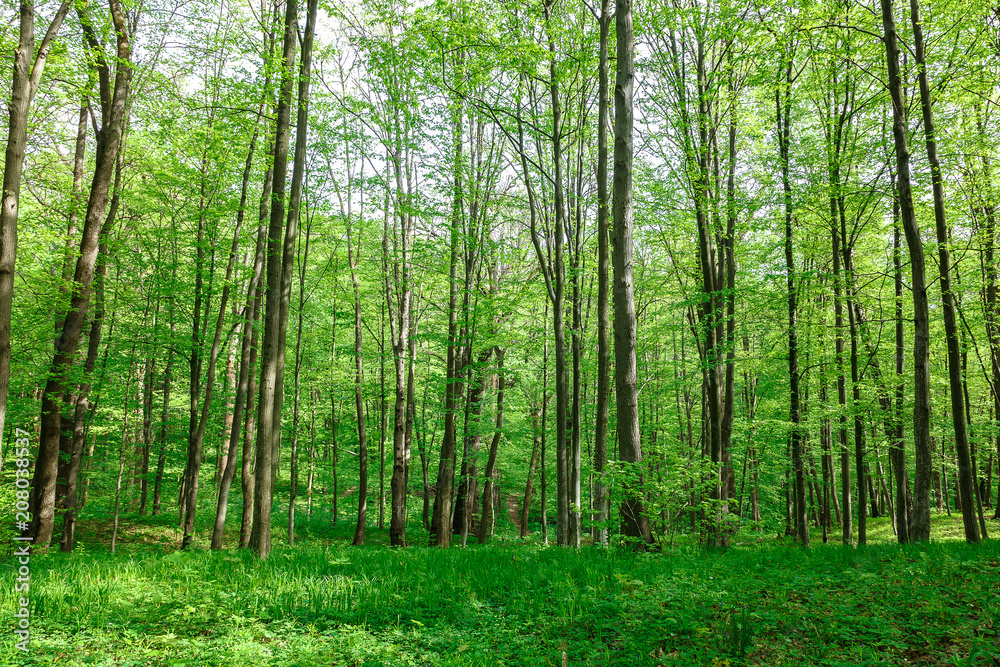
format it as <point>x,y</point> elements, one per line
<point>762,602</point>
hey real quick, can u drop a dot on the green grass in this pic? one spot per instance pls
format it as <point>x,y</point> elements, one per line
<point>514,603</point>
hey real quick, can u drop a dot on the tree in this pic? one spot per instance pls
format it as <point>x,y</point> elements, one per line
<point>43,487</point>
<point>922,446</point>
<point>635,523</point>
<point>783,120</point>
<point>958,407</point>
<point>250,312</point>
<point>279,268</point>
<point>28,68</point>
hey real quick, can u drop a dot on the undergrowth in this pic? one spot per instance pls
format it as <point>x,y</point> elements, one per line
<point>515,603</point>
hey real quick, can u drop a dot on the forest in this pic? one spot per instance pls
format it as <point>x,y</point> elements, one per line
<point>457,332</point>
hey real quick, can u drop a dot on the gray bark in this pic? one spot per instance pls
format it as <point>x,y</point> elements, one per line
<point>635,523</point>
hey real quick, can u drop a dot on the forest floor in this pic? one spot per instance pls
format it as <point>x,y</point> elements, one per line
<point>764,601</point>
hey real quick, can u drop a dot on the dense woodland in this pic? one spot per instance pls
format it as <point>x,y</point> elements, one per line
<point>588,272</point>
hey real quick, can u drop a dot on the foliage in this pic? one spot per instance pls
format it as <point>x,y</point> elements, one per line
<point>760,603</point>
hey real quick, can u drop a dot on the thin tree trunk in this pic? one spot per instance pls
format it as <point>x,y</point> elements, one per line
<point>897,453</point>
<point>411,401</point>
<point>80,414</point>
<point>359,399</point>
<point>121,452</point>
<point>196,432</point>
<point>859,419</point>
<point>847,512</point>
<point>161,437</point>
<point>544,428</point>
<point>601,418</point>
<point>462,520</point>
<point>558,328</point>
<point>529,484</point>
<point>333,413</point>
<point>293,478</point>
<point>312,456</point>
<point>728,481</point>
<point>246,362</point>
<point>968,420</point>
<point>486,522</point>
<point>399,325</point>
<point>195,450</point>
<point>382,417</point>
<point>248,473</point>
<point>441,520</point>
<point>783,96</point>
<point>990,293</point>
<point>147,419</point>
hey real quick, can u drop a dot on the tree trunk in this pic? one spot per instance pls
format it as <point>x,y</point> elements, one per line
<point>196,432</point>
<point>601,418</point>
<point>922,445</point>
<point>279,269</point>
<point>529,485</point>
<point>557,296</point>
<point>399,325</point>
<point>293,477</point>
<point>486,522</point>
<point>441,520</point>
<point>965,470</point>
<point>113,115</point>
<point>121,452</point>
<point>149,383</point>
<point>382,416</point>
<point>270,382</point>
<point>990,302</point>
<point>248,473</point>
<point>359,398</point>
<point>246,363</point>
<point>467,488</point>
<point>80,414</point>
<point>897,452</point>
<point>783,97</point>
<point>161,437</point>
<point>635,523</point>
<point>728,473</point>
<point>195,449</point>
<point>544,429</point>
<point>859,423</point>
<point>28,68</point>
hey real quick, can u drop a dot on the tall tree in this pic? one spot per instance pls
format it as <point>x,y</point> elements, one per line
<point>441,520</point>
<point>249,318</point>
<point>43,487</point>
<point>601,418</point>
<point>293,478</point>
<point>958,407</point>
<point>635,522</point>
<point>922,444</point>
<point>279,267</point>
<point>783,119</point>
<point>28,68</point>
